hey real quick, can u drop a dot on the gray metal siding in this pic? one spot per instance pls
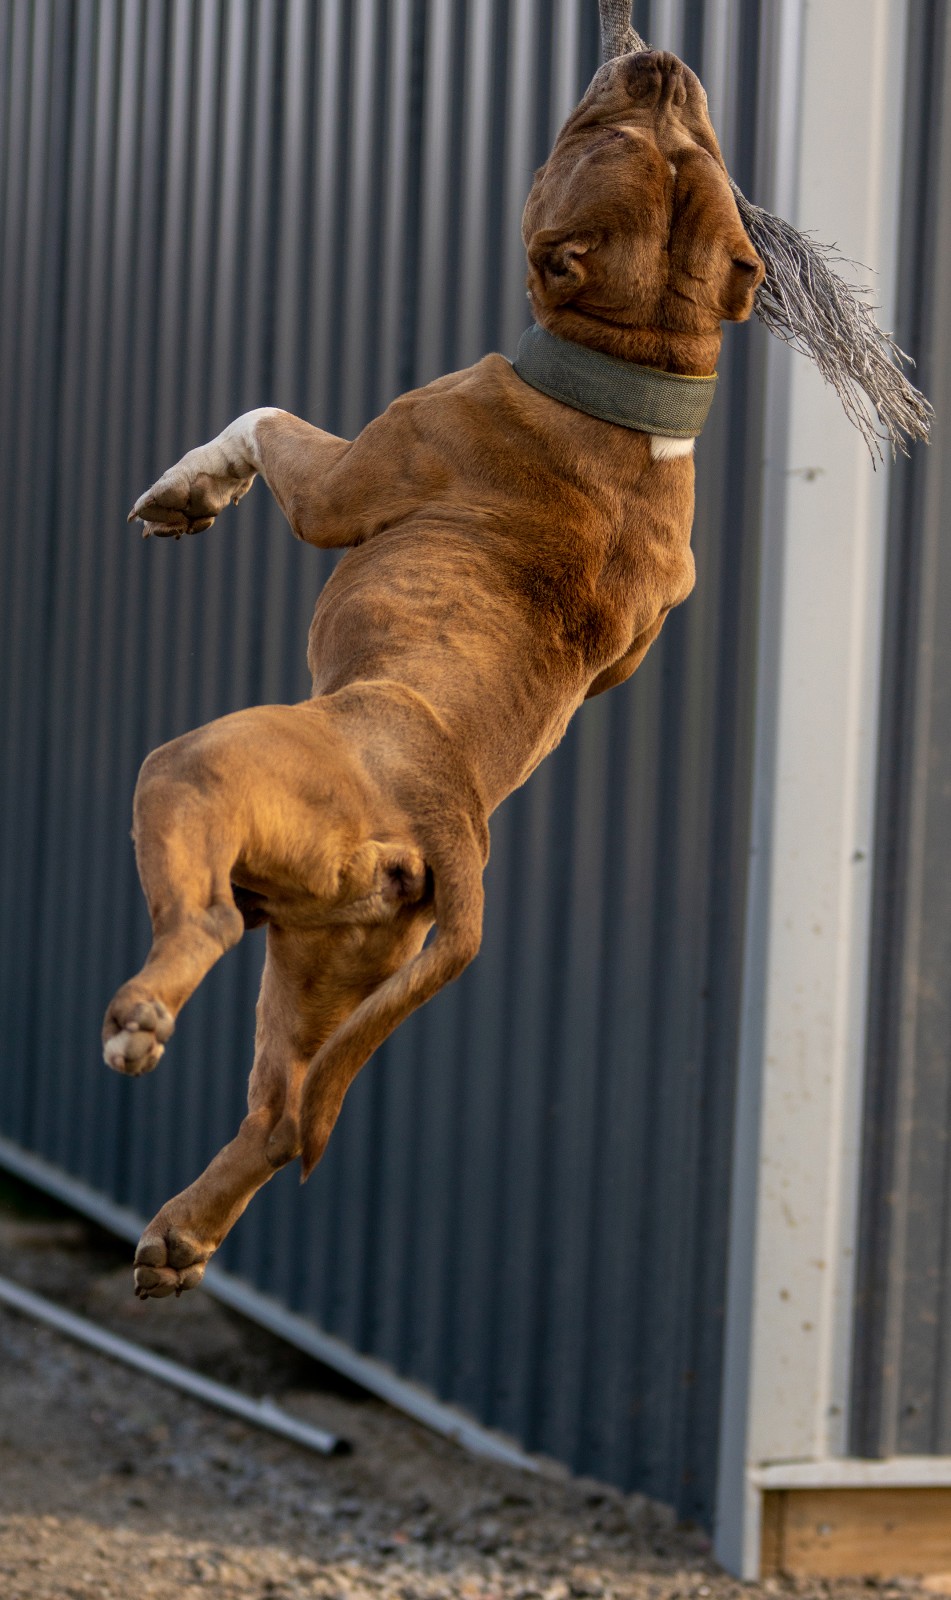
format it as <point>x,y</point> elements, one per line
<point>902,1386</point>
<point>209,206</point>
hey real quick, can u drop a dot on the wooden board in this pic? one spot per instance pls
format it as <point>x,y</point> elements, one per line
<point>835,1533</point>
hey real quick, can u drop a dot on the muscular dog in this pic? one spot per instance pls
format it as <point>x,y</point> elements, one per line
<point>510,555</point>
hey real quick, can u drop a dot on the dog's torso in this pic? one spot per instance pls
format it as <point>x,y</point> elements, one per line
<point>512,537</point>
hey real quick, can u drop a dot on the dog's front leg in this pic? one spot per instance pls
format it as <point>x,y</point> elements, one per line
<point>293,458</point>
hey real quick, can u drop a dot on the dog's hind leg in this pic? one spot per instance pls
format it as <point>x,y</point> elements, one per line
<point>457,857</point>
<point>178,1242</point>
<point>312,981</point>
<point>185,847</point>
<point>272,797</point>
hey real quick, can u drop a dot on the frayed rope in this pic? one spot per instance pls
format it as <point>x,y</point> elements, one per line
<point>805,301</point>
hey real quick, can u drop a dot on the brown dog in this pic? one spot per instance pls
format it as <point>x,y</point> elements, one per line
<point>511,556</point>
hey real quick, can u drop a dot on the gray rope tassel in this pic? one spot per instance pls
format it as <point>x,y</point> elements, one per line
<point>617,35</point>
<point>806,302</point>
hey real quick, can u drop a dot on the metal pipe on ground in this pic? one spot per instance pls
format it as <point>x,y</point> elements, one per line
<point>259,1413</point>
<point>372,1374</point>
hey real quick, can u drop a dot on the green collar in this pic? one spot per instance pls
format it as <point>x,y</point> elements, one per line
<point>644,398</point>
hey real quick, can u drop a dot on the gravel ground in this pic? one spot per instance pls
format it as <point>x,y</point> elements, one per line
<point>115,1487</point>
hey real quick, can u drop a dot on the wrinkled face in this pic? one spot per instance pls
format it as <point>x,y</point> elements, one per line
<point>632,220</point>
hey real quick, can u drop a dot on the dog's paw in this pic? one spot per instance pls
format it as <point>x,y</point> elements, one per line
<point>188,497</point>
<point>168,1260</point>
<point>135,1033</point>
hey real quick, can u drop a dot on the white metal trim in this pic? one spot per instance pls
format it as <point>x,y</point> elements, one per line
<point>797,1141</point>
<point>849,1472</point>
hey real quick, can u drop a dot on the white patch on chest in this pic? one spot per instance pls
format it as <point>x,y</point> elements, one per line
<point>663,449</point>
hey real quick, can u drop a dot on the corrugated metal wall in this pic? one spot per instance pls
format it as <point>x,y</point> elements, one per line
<point>213,204</point>
<point>902,1386</point>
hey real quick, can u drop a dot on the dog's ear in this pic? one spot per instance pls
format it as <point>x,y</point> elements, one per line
<point>744,275</point>
<point>558,263</point>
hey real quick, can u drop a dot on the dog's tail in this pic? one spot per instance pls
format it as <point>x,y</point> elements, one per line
<point>457,864</point>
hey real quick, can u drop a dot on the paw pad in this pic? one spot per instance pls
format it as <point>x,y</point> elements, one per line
<point>168,1262</point>
<point>135,1036</point>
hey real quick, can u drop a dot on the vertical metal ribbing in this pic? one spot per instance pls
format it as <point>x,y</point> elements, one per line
<point>32,502</point>
<point>124,594</point>
<point>729,507</point>
<point>14,334</point>
<point>81,584</point>
<point>360,243</point>
<point>474,180</point>
<point>11,177</point>
<point>58,890</point>
<point>396,137</point>
<point>525,65</point>
<point>432,287</point>
<point>154,434</point>
<point>901,1397</point>
<point>19,258</point>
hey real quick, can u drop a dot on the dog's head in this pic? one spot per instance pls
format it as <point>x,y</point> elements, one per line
<point>634,241</point>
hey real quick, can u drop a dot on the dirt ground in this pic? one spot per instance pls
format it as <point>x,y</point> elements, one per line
<point>114,1487</point>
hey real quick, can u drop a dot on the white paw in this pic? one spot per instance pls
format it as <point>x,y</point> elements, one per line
<point>188,497</point>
